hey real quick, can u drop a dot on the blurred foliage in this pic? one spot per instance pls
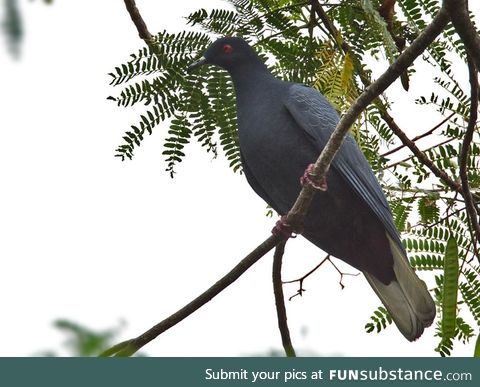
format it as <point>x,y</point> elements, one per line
<point>337,54</point>
<point>12,25</point>
<point>83,341</point>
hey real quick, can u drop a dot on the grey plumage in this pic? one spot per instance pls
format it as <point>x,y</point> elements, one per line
<point>283,127</point>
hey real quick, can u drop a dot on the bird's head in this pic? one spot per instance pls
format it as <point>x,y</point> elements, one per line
<point>227,53</point>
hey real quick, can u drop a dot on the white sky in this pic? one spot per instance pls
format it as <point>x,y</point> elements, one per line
<point>86,237</point>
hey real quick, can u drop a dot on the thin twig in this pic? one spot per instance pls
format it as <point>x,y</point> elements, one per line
<point>441,220</point>
<point>129,347</point>
<point>280,301</point>
<point>472,122</point>
<point>425,150</point>
<point>442,175</point>
<point>305,276</point>
<point>445,198</point>
<point>419,137</point>
<point>416,190</point>
<point>301,279</point>
<point>342,274</point>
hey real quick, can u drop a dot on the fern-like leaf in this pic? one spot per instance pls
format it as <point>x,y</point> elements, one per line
<point>379,320</point>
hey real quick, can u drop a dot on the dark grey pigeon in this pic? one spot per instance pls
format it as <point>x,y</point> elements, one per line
<point>282,128</point>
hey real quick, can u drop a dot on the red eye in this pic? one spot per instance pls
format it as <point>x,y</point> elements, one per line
<point>227,49</point>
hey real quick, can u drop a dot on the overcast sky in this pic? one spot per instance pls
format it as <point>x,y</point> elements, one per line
<point>86,237</point>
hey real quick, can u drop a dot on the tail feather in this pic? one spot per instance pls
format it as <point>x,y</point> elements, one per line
<point>406,297</point>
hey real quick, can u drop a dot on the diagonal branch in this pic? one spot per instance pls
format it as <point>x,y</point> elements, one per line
<point>139,22</point>
<point>472,122</point>
<point>419,137</point>
<point>295,216</point>
<point>423,157</point>
<point>410,144</point>
<point>129,347</point>
<point>280,300</point>
<point>448,140</point>
<point>458,12</point>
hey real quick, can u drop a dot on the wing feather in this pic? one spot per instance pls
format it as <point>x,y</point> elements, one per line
<point>316,116</point>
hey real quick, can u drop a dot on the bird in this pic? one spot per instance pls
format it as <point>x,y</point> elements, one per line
<point>282,128</point>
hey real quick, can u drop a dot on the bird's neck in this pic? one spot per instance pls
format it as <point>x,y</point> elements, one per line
<point>250,78</point>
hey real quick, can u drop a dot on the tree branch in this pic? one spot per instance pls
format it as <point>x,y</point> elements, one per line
<point>280,301</point>
<point>419,137</point>
<point>129,347</point>
<point>139,22</point>
<point>442,21</point>
<point>317,7</point>
<point>369,95</point>
<point>302,279</point>
<point>447,141</point>
<point>458,11</point>
<point>472,122</point>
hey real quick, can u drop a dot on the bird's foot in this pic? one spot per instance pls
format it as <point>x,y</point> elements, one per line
<point>284,229</point>
<point>307,179</point>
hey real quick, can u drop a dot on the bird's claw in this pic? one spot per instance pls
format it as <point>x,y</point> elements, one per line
<point>307,179</point>
<point>284,229</point>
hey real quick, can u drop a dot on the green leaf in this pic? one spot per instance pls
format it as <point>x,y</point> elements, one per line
<point>450,289</point>
<point>380,319</point>
<point>379,26</point>
<point>428,209</point>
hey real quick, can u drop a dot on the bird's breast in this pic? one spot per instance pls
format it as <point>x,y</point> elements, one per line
<point>275,150</point>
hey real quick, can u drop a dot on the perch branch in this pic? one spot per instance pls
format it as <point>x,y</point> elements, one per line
<point>129,347</point>
<point>280,301</point>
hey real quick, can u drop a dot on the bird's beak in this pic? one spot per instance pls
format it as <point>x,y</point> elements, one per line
<point>196,64</point>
